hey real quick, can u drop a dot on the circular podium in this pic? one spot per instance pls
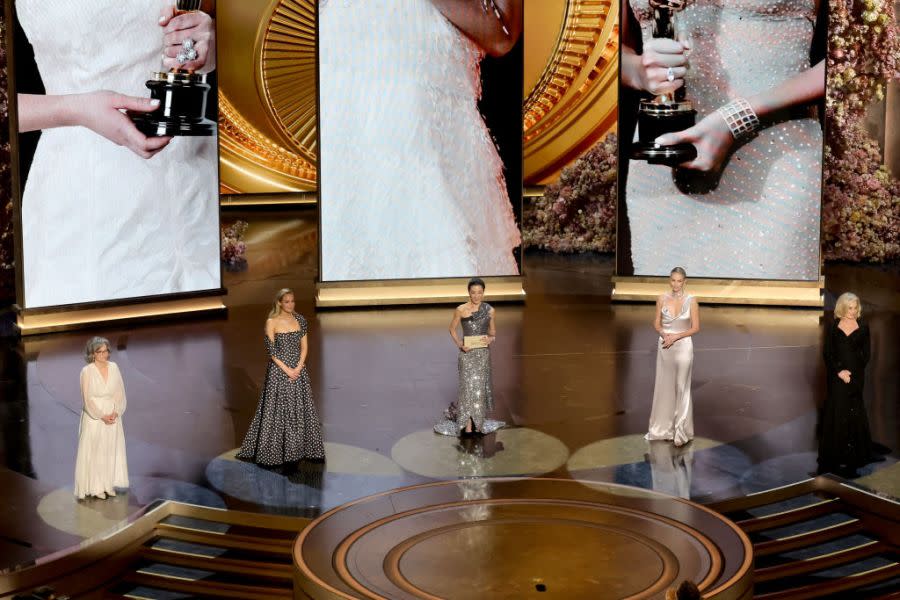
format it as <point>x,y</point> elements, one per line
<point>520,538</point>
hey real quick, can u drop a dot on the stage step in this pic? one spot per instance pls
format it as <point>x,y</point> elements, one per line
<point>821,538</point>
<point>177,551</point>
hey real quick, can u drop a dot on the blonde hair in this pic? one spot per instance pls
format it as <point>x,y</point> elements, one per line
<point>843,302</point>
<point>276,305</point>
<point>678,270</point>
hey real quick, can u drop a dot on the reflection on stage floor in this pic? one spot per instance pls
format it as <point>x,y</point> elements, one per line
<point>573,376</point>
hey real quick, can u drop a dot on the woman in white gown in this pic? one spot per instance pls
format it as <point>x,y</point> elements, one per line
<point>100,464</point>
<point>677,319</point>
<point>108,213</point>
<point>411,182</point>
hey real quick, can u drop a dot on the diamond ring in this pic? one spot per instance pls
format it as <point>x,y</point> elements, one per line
<point>670,73</point>
<point>188,52</point>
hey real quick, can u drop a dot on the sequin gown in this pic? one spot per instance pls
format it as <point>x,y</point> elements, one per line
<point>411,183</point>
<point>475,397</point>
<point>98,221</point>
<point>286,426</point>
<point>672,416</point>
<point>762,219</point>
<point>101,464</point>
<point>845,437</point>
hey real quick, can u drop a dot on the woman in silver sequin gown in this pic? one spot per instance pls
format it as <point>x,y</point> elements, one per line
<point>746,210</point>
<point>475,397</point>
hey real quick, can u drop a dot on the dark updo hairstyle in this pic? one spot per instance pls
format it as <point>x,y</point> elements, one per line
<point>475,281</point>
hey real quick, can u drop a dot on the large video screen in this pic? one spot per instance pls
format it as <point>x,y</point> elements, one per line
<point>420,138</point>
<point>106,212</point>
<point>749,205</point>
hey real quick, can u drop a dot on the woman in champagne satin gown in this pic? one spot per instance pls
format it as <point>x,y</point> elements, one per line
<point>677,320</point>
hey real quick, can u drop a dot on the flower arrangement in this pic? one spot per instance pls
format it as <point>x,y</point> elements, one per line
<point>861,212</point>
<point>233,246</point>
<point>7,260</point>
<point>578,213</point>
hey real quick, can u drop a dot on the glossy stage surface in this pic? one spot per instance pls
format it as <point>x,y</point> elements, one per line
<point>504,538</point>
<point>573,376</point>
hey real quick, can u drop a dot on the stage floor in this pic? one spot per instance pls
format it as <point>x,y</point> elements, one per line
<point>573,376</point>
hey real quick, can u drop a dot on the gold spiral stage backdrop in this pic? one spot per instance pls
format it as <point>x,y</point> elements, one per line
<point>571,81</point>
<point>267,96</point>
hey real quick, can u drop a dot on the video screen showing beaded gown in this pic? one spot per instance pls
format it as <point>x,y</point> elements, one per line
<point>672,414</point>
<point>100,222</point>
<point>760,218</point>
<point>475,399</point>
<point>845,435</point>
<point>412,184</point>
<point>286,427</point>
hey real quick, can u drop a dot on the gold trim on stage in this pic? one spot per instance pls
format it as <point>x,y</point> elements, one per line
<point>69,319</point>
<point>292,199</point>
<point>414,291</point>
<point>761,292</point>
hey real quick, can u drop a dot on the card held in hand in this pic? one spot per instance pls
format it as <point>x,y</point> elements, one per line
<point>475,341</point>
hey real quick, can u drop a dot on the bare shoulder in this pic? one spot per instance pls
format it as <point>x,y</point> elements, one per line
<point>461,309</point>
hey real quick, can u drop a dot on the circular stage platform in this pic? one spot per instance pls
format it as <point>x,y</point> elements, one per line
<point>520,538</point>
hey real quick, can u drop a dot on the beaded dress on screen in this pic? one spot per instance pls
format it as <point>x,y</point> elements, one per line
<point>98,221</point>
<point>412,184</point>
<point>475,395</point>
<point>672,415</point>
<point>286,426</point>
<point>762,219</point>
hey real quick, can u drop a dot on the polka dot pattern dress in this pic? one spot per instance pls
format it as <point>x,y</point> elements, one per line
<point>286,426</point>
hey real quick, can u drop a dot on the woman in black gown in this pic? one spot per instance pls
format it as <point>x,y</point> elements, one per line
<point>286,427</point>
<point>845,443</point>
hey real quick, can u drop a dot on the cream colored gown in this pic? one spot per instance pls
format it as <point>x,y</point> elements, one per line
<point>672,416</point>
<point>100,464</point>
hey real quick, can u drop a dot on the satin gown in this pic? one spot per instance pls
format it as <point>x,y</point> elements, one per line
<point>672,416</point>
<point>100,463</point>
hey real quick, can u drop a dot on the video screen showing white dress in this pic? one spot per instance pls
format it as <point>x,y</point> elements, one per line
<point>421,145</point>
<point>100,222</point>
<point>746,209</point>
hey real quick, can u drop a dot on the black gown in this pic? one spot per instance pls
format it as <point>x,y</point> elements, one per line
<point>286,426</point>
<point>845,437</point>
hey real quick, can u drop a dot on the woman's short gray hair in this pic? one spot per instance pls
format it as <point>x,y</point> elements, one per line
<point>94,344</point>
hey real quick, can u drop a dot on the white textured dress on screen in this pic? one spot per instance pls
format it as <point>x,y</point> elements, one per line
<point>98,221</point>
<point>411,182</point>
<point>762,219</point>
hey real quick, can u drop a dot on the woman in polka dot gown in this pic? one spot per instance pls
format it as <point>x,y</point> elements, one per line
<point>286,427</point>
